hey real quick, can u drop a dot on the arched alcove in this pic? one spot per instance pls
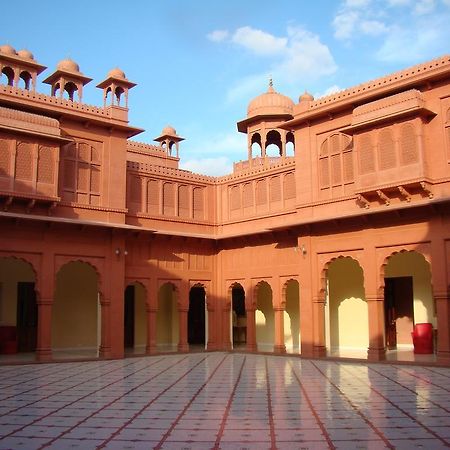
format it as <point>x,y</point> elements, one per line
<point>196,315</point>
<point>264,317</point>
<point>238,315</point>
<point>347,311</point>
<point>167,318</point>
<point>408,297</point>
<point>18,308</point>
<point>135,323</point>
<point>76,311</point>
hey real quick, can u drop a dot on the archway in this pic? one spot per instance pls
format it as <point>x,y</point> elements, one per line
<point>346,307</point>
<point>292,316</point>
<point>18,308</point>
<point>135,323</point>
<point>264,317</point>
<point>408,297</point>
<point>167,318</point>
<point>290,144</point>
<point>9,74</point>
<point>76,311</point>
<point>273,144</point>
<point>238,316</point>
<point>196,315</point>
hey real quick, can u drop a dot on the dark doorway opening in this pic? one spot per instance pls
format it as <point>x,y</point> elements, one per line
<point>128,318</point>
<point>239,315</point>
<point>398,310</point>
<point>196,316</point>
<point>27,315</point>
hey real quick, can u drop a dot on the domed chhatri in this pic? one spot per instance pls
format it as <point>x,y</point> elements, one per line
<point>306,97</point>
<point>269,103</point>
<point>117,73</point>
<point>7,50</point>
<point>25,54</point>
<point>68,65</point>
<point>168,131</point>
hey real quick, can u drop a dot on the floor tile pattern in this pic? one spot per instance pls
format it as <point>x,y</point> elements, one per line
<point>223,401</point>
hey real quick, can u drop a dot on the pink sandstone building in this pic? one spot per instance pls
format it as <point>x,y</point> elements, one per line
<point>337,241</point>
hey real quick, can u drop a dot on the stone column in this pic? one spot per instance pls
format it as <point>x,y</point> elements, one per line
<point>44,330</point>
<point>151,330</point>
<point>251,329</point>
<point>442,300</point>
<point>105,343</point>
<point>226,327</point>
<point>377,342</point>
<point>319,347</point>
<point>183,345</point>
<point>279,346</point>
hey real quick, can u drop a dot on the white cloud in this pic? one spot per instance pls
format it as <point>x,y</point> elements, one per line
<point>331,90</point>
<point>299,54</point>
<point>357,3</point>
<point>373,27</point>
<point>306,57</point>
<point>208,166</point>
<point>398,2</point>
<point>258,41</point>
<point>218,35</point>
<point>424,7</point>
<point>345,24</point>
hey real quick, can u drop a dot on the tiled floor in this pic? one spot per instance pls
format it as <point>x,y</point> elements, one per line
<point>223,401</point>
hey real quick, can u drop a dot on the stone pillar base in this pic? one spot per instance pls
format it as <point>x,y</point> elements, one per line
<point>279,348</point>
<point>443,357</point>
<point>376,354</point>
<point>183,348</point>
<point>151,350</point>
<point>319,351</point>
<point>44,355</point>
<point>105,352</point>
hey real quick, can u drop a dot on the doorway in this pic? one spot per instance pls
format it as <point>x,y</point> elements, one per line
<point>128,317</point>
<point>196,316</point>
<point>398,311</point>
<point>26,317</point>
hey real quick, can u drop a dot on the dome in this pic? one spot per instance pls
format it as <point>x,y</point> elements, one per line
<point>306,97</point>
<point>7,50</point>
<point>68,65</point>
<point>26,54</point>
<point>117,73</point>
<point>169,131</point>
<point>270,102</point>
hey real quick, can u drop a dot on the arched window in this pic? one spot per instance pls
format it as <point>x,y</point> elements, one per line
<point>336,161</point>
<point>366,155</point>
<point>409,149</point>
<point>9,74</point>
<point>387,158</point>
<point>26,78</point>
<point>70,88</point>
<point>256,145</point>
<point>118,93</point>
<point>183,201</point>
<point>290,144</point>
<point>81,173</point>
<point>273,143</point>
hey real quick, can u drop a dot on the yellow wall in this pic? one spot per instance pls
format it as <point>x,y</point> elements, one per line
<point>349,326</point>
<point>74,313</point>
<point>292,317</point>
<point>412,264</point>
<point>167,332</point>
<point>265,323</point>
<point>12,271</point>
<point>140,317</point>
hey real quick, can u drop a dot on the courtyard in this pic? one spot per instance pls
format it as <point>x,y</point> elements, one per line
<point>224,400</point>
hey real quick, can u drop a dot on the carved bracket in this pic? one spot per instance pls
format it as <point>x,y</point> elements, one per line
<point>382,196</point>
<point>404,193</point>
<point>363,201</point>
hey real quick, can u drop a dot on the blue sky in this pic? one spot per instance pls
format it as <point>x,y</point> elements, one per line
<point>198,63</point>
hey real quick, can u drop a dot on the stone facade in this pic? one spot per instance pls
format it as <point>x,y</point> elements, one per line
<point>340,240</point>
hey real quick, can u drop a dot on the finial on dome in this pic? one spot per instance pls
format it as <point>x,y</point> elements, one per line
<point>271,89</point>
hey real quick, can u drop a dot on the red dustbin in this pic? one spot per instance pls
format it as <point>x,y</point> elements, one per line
<point>422,337</point>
